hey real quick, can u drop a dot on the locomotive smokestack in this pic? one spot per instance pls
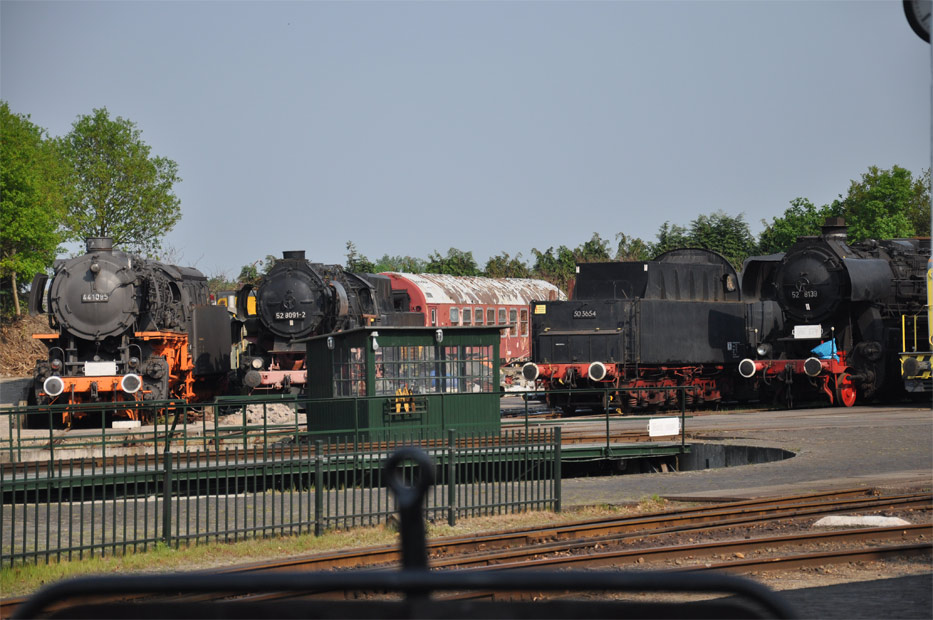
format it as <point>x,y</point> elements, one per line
<point>99,244</point>
<point>834,227</point>
<point>294,254</point>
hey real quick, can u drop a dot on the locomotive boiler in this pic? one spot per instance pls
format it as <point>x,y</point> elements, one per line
<point>127,329</point>
<point>634,334</point>
<point>297,299</point>
<point>842,306</point>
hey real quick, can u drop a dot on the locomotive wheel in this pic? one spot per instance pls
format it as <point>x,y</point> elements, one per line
<point>845,390</point>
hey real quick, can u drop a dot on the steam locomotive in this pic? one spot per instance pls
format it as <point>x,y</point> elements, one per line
<point>634,333</point>
<point>844,307</point>
<point>297,299</point>
<point>127,329</point>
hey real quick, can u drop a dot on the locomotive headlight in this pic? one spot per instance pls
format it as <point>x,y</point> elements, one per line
<point>56,364</point>
<point>134,362</point>
<point>53,386</point>
<point>597,371</point>
<point>530,371</point>
<point>256,363</point>
<point>764,349</point>
<point>95,268</point>
<point>130,383</point>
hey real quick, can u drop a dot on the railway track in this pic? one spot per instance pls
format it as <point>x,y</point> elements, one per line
<point>725,537</point>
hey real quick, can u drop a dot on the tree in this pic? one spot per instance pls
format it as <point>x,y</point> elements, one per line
<point>632,248</point>
<point>456,263</point>
<point>725,234</point>
<point>670,237</point>
<point>253,273</point>
<point>596,250</point>
<point>504,266</point>
<point>886,204</point>
<point>119,189</point>
<point>32,197</point>
<point>801,219</point>
<point>401,264</point>
<point>557,267</point>
<point>356,262</point>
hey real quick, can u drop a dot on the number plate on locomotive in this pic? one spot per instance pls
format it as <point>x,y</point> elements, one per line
<point>811,332</point>
<point>95,298</point>
<point>584,313</point>
<point>100,369</point>
<point>286,316</point>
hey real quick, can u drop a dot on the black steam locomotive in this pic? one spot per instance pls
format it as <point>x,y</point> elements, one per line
<point>633,333</point>
<point>125,329</point>
<point>842,306</point>
<point>297,299</point>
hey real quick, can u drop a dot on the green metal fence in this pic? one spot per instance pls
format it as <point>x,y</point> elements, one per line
<point>75,508</point>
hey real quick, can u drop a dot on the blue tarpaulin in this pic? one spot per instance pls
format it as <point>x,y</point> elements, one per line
<point>826,350</point>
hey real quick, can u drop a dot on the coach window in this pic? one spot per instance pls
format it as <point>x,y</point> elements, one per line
<point>455,316</point>
<point>433,316</point>
<point>502,316</point>
<point>513,321</point>
<point>524,321</point>
<point>490,316</point>
<point>467,317</point>
<point>478,314</point>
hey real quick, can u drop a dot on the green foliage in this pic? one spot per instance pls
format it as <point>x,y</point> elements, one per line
<point>727,235</point>
<point>356,262</point>
<point>886,204</point>
<point>402,264</point>
<point>719,232</point>
<point>632,248</point>
<point>31,204</point>
<point>119,190</point>
<point>219,282</point>
<point>559,267</point>
<point>253,273</point>
<point>456,263</point>
<point>670,237</point>
<point>504,266</point>
<point>801,219</point>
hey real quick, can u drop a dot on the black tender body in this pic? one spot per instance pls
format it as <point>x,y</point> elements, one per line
<point>675,321</point>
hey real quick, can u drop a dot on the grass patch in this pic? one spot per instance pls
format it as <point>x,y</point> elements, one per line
<point>21,580</point>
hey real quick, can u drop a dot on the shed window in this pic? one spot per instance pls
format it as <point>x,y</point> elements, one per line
<point>513,321</point>
<point>523,322</point>
<point>432,370</point>
<point>455,316</point>
<point>350,372</point>
<point>467,316</point>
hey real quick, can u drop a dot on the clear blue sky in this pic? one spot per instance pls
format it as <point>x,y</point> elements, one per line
<point>409,127</point>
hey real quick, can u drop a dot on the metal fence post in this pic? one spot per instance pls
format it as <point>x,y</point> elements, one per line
<point>451,477</point>
<point>167,499</point>
<point>557,462</point>
<point>318,487</point>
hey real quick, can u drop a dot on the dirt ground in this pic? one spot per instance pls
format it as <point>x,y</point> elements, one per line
<point>18,349</point>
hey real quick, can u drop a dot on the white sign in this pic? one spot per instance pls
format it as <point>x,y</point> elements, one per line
<point>663,427</point>
<point>808,332</point>
<point>100,369</point>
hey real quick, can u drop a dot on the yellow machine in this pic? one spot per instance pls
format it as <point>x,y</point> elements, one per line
<point>917,344</point>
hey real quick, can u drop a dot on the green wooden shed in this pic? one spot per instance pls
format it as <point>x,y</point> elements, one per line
<point>390,383</point>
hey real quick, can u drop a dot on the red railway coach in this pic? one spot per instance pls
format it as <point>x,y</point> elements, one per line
<point>451,301</point>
